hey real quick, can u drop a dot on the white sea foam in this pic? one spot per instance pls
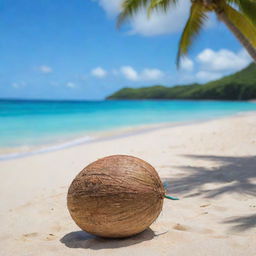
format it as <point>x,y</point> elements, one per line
<point>55,147</point>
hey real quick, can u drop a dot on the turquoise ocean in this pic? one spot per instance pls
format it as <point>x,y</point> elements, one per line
<point>25,124</point>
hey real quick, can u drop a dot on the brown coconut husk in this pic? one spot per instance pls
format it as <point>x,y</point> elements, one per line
<point>116,196</point>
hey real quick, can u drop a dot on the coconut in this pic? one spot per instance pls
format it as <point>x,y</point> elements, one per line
<point>116,196</point>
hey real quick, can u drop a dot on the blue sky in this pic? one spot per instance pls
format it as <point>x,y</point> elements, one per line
<point>66,49</point>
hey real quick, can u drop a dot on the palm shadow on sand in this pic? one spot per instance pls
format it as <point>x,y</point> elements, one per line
<point>233,175</point>
<point>81,239</point>
<point>242,223</point>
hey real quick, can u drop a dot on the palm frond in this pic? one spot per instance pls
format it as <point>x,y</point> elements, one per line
<point>248,7</point>
<point>242,22</point>
<point>161,5</point>
<point>192,28</point>
<point>129,8</point>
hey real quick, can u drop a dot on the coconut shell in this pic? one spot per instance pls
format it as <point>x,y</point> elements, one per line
<point>116,196</point>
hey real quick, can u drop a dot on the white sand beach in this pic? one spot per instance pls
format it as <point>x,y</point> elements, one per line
<point>210,166</point>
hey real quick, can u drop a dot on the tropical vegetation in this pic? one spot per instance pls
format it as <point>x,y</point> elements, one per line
<point>238,86</point>
<point>238,15</point>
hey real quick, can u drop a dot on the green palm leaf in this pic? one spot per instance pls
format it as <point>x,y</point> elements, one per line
<point>243,23</point>
<point>161,5</point>
<point>129,8</point>
<point>193,26</point>
<point>242,16</point>
<point>248,7</point>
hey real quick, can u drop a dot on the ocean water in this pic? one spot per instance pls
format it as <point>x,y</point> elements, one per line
<point>32,123</point>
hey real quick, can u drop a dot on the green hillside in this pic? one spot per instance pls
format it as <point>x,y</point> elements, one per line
<point>238,86</point>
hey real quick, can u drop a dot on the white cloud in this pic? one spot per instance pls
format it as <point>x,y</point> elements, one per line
<point>99,72</point>
<point>147,74</point>
<point>151,74</point>
<point>45,69</point>
<point>223,60</point>
<point>130,73</point>
<point>216,64</point>
<point>70,85</point>
<point>158,23</point>
<point>207,75</point>
<point>112,7</point>
<point>186,64</point>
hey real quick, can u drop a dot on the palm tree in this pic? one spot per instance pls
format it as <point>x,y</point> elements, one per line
<point>238,15</point>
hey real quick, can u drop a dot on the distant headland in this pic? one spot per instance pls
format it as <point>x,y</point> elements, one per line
<point>238,86</point>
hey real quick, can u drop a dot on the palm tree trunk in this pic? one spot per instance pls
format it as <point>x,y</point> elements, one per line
<point>238,34</point>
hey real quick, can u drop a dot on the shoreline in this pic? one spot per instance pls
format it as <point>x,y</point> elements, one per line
<point>209,165</point>
<point>98,137</point>
<point>106,99</point>
<point>108,135</point>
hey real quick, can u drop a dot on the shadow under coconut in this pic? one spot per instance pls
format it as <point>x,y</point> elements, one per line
<point>81,239</point>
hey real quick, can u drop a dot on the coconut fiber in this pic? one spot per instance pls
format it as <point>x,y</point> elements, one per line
<point>116,196</point>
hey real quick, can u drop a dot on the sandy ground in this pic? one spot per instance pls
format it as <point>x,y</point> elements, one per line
<point>210,166</point>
